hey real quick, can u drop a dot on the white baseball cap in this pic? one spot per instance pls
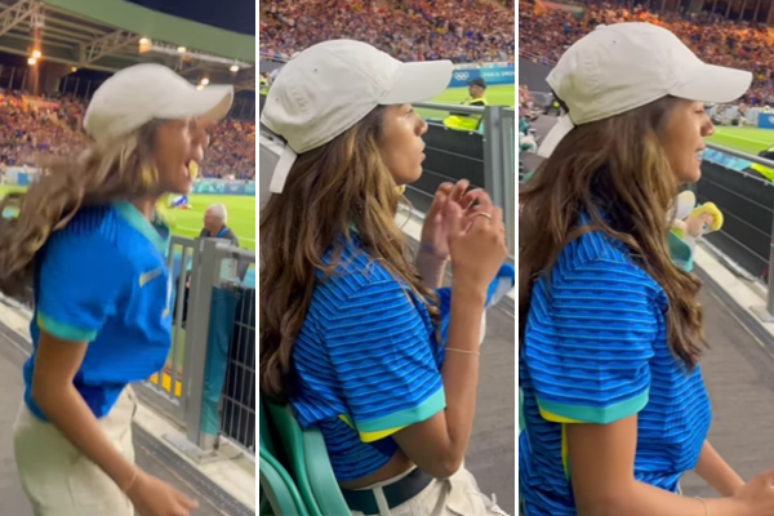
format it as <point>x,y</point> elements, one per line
<point>136,95</point>
<point>329,87</point>
<point>621,67</point>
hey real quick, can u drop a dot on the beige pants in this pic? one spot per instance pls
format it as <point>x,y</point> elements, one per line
<point>59,479</point>
<point>455,496</point>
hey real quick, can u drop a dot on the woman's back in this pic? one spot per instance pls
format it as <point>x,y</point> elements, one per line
<point>595,352</point>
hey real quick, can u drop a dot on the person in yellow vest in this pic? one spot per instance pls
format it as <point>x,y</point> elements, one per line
<point>469,122</point>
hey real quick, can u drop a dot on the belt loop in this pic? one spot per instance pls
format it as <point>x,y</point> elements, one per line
<point>381,502</point>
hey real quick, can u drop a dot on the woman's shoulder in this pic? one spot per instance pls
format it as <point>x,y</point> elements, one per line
<point>88,222</point>
<point>90,227</point>
<point>355,270</point>
<point>596,256</point>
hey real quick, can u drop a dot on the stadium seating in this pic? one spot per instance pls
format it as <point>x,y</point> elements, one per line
<point>278,495</point>
<point>465,31</point>
<point>30,126</point>
<point>308,461</point>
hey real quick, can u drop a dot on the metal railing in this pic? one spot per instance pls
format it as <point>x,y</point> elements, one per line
<point>487,158</point>
<point>208,386</point>
<point>746,200</point>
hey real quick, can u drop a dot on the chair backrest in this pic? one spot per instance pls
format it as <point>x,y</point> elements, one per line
<point>278,488</point>
<point>309,463</point>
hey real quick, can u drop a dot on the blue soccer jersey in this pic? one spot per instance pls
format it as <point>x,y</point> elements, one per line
<point>596,352</point>
<point>103,279</point>
<point>368,364</point>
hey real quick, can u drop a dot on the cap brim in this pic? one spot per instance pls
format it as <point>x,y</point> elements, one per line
<point>418,82</point>
<point>560,129</point>
<point>211,103</point>
<point>710,83</point>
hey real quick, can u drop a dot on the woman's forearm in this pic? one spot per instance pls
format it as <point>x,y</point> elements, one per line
<point>431,269</point>
<point>716,472</point>
<point>461,365</point>
<point>646,500</point>
<point>65,408</point>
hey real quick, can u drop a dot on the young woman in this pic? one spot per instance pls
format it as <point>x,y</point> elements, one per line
<point>611,330</point>
<point>347,324</point>
<point>88,241</point>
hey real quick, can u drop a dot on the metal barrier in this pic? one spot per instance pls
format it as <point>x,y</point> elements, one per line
<point>487,160</point>
<point>208,386</point>
<point>747,202</point>
<point>166,387</point>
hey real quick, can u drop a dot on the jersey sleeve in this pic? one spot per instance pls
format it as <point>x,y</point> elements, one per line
<point>382,355</point>
<point>78,286</point>
<point>589,344</point>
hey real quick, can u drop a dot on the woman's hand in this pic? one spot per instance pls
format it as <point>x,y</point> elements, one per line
<point>434,241</point>
<point>757,497</point>
<point>152,497</point>
<point>477,245</point>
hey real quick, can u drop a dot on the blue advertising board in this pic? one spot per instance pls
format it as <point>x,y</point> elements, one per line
<point>218,187</point>
<point>765,120</point>
<point>503,74</point>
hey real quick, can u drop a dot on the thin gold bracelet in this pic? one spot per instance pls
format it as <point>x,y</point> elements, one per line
<point>130,484</point>
<point>465,351</point>
<point>706,506</point>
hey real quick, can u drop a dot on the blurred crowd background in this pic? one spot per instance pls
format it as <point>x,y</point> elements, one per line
<point>545,31</point>
<point>464,31</point>
<point>32,126</point>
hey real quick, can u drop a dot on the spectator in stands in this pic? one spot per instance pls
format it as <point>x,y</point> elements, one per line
<point>215,220</point>
<point>35,126</point>
<point>615,405</point>
<point>88,240</point>
<point>347,323</point>
<point>545,31</point>
<point>466,31</point>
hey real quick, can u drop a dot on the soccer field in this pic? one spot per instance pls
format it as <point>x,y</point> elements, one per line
<point>749,140</point>
<point>495,95</point>
<point>188,223</point>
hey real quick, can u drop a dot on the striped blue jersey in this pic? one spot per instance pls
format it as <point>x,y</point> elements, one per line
<point>367,364</point>
<point>595,351</point>
<point>103,280</point>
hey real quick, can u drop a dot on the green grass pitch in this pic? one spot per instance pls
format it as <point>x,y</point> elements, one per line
<point>749,140</point>
<point>188,223</point>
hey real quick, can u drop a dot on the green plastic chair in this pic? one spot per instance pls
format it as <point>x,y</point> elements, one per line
<point>278,494</point>
<point>278,489</point>
<point>309,464</point>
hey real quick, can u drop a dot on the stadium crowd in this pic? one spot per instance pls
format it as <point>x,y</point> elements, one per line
<point>32,126</point>
<point>465,31</point>
<point>544,33</point>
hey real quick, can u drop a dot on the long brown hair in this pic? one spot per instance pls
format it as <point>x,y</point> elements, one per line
<point>329,190</point>
<point>616,172</point>
<point>101,174</point>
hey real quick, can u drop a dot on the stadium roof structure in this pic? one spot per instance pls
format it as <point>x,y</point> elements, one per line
<point>109,35</point>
